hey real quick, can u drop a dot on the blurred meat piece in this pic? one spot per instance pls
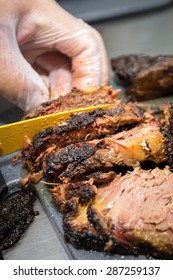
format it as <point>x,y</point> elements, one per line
<point>143,76</point>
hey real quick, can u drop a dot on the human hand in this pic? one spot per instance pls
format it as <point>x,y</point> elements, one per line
<point>45,51</point>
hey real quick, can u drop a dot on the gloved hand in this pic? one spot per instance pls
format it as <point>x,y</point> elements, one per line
<point>43,47</point>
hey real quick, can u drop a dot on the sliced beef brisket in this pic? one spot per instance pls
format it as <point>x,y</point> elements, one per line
<point>143,142</point>
<point>89,125</point>
<point>135,210</point>
<point>103,208</point>
<point>81,127</point>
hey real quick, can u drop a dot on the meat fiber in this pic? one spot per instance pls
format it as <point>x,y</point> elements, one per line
<point>76,99</point>
<point>133,213</point>
<point>144,77</point>
<point>128,148</point>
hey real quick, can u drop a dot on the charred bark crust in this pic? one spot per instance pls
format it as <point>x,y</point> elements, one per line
<point>84,238</point>
<point>68,196</point>
<point>81,127</point>
<point>166,127</point>
<point>85,124</point>
<point>15,216</point>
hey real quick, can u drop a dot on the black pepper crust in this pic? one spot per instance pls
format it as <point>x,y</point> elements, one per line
<point>87,122</point>
<point>167,130</point>
<point>84,238</point>
<point>66,159</point>
<point>90,238</point>
<point>15,216</point>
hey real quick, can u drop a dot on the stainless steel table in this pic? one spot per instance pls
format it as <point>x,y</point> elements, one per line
<point>150,33</point>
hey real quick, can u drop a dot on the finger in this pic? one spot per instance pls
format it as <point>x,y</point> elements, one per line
<point>104,59</point>
<point>59,68</point>
<point>86,48</point>
<point>18,81</point>
<point>60,81</point>
<point>91,67</point>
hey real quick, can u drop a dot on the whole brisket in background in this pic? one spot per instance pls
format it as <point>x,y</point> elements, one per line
<point>143,76</point>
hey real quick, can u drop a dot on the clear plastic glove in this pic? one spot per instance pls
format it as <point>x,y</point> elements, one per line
<point>44,49</point>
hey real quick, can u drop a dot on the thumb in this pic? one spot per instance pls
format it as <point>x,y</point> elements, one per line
<point>19,82</point>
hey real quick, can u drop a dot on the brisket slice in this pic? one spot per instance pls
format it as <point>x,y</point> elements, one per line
<point>144,77</point>
<point>80,127</point>
<point>89,125</point>
<point>135,210</point>
<point>127,148</point>
<point>76,99</point>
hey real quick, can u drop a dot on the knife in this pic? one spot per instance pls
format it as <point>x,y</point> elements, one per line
<point>12,135</point>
